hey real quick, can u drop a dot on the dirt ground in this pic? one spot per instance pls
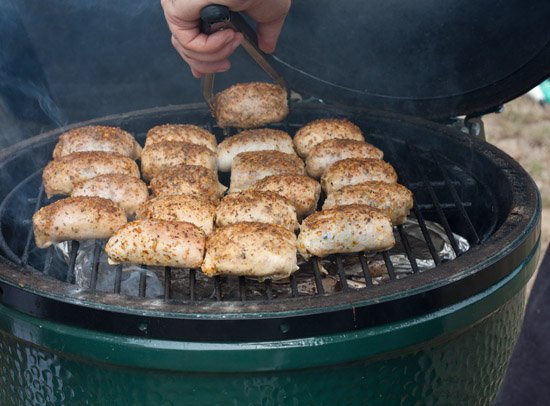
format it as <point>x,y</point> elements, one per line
<point>523,132</point>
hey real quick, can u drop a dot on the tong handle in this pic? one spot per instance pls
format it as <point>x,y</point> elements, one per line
<point>216,17</point>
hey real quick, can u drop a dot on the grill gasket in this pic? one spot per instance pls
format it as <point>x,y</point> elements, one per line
<point>420,294</point>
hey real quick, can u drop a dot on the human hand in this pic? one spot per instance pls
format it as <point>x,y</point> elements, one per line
<point>210,53</point>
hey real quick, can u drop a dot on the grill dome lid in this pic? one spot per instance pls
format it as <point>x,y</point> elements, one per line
<point>432,59</point>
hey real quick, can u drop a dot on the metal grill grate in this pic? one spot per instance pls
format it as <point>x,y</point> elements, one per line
<point>426,175</point>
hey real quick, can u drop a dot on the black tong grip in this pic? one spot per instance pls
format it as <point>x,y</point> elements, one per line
<point>216,17</point>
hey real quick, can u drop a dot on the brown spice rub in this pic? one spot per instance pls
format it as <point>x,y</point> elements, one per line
<point>324,129</point>
<point>250,167</point>
<point>76,218</point>
<point>97,138</point>
<point>256,206</point>
<point>328,152</point>
<point>352,171</point>
<point>257,134</point>
<point>261,139</point>
<point>165,154</point>
<point>302,191</point>
<point>188,180</point>
<point>157,243</point>
<point>196,210</point>
<point>251,249</point>
<point>126,191</point>
<point>392,198</point>
<point>61,175</point>
<point>249,105</point>
<point>181,132</point>
<point>345,229</point>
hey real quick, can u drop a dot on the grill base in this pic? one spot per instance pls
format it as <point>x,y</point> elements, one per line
<point>466,366</point>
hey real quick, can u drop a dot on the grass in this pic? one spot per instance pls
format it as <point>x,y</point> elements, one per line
<point>523,132</point>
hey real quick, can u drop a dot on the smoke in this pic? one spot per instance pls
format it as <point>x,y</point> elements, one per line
<point>26,102</point>
<point>37,92</point>
<point>137,8</point>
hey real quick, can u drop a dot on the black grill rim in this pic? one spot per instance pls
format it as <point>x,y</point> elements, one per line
<point>481,267</point>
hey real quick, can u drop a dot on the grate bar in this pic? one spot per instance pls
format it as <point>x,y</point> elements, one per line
<point>389,265</point>
<point>426,234</point>
<point>435,200</point>
<point>441,215</point>
<point>48,260</point>
<point>416,209</point>
<point>226,131</point>
<point>242,288</point>
<point>407,247</point>
<point>142,283</point>
<point>16,191</point>
<point>342,273</point>
<point>268,289</point>
<point>95,265</point>
<point>72,261</point>
<point>317,273</point>
<point>365,268</point>
<point>218,288</point>
<point>459,204</point>
<point>30,234</point>
<point>436,184</point>
<point>193,284</point>
<point>167,282</point>
<point>118,278</point>
<point>286,124</point>
<point>429,206</point>
<point>293,286</point>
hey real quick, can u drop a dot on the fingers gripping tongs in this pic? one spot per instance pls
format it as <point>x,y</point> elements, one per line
<point>215,18</point>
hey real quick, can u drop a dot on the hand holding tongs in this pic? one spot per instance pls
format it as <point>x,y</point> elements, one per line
<point>215,18</point>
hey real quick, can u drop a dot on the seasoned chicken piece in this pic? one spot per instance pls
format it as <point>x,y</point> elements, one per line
<point>254,206</point>
<point>391,198</point>
<point>191,209</point>
<point>356,170</point>
<point>97,138</point>
<point>157,243</point>
<point>249,105</point>
<point>190,133</point>
<point>76,218</point>
<point>250,167</point>
<point>262,139</point>
<point>328,152</point>
<point>188,180</point>
<point>251,249</point>
<point>345,229</point>
<point>61,175</point>
<point>302,191</point>
<point>325,129</point>
<point>126,191</point>
<point>165,154</point>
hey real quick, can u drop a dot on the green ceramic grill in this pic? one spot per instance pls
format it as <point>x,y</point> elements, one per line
<point>435,334</point>
<point>432,321</point>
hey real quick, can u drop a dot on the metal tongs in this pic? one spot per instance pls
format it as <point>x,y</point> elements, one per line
<point>216,17</point>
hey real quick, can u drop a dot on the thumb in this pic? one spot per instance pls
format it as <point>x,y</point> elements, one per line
<point>268,34</point>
